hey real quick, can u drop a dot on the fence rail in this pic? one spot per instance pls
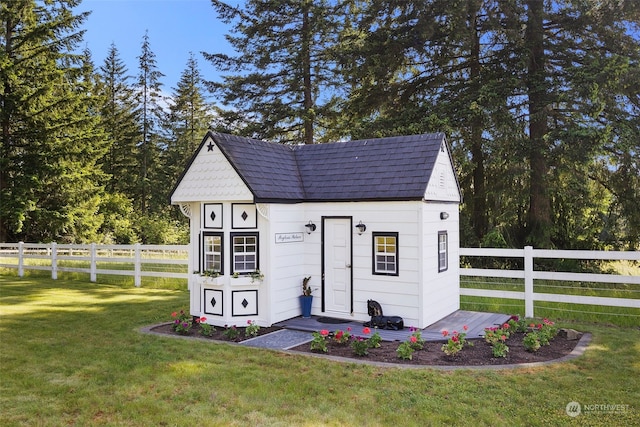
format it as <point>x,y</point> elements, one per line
<point>631,288</point>
<point>154,260</point>
<point>124,260</point>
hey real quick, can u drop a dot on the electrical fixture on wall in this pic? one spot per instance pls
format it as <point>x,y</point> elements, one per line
<point>444,215</point>
<point>361,227</point>
<point>311,227</point>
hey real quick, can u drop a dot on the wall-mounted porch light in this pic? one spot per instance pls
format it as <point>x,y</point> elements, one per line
<point>361,227</point>
<point>311,227</point>
<point>444,215</point>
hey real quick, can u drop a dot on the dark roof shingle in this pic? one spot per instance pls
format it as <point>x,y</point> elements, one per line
<point>395,168</point>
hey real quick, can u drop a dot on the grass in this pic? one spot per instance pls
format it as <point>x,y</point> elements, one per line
<point>71,354</point>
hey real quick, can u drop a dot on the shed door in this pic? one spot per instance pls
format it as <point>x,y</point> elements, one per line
<point>336,238</point>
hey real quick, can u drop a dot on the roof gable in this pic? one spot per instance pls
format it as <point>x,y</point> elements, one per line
<point>395,168</point>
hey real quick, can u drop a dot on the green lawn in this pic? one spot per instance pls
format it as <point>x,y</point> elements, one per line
<point>70,354</point>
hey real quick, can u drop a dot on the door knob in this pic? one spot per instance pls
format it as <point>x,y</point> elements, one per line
<point>348,266</point>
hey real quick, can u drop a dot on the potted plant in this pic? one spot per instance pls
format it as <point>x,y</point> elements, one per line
<point>306,298</point>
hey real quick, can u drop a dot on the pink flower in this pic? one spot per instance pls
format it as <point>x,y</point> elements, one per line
<point>505,326</point>
<point>324,332</point>
<point>248,322</point>
<point>203,319</point>
<point>503,337</point>
<point>455,332</point>
<point>349,329</point>
<point>454,338</point>
<point>366,330</point>
<point>445,333</point>
<point>532,325</point>
<point>174,314</point>
<point>413,339</point>
<point>539,325</point>
<point>465,327</point>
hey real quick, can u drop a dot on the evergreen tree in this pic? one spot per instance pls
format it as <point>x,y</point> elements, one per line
<point>530,92</point>
<point>282,78</point>
<point>120,122</point>
<point>49,187</point>
<point>188,120</point>
<point>151,115</point>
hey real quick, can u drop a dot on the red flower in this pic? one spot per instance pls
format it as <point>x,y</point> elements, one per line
<point>349,329</point>
<point>503,337</point>
<point>505,326</point>
<point>174,314</point>
<point>413,339</point>
<point>339,335</point>
<point>324,332</point>
<point>248,322</point>
<point>454,338</point>
<point>465,327</point>
<point>202,319</point>
<point>366,330</point>
<point>445,333</point>
<point>532,325</point>
<point>539,325</point>
<point>455,332</point>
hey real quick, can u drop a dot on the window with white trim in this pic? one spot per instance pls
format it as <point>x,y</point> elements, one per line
<point>212,252</point>
<point>443,251</point>
<point>385,253</point>
<point>244,252</point>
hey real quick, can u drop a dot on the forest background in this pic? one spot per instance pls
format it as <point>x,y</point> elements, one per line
<point>539,100</point>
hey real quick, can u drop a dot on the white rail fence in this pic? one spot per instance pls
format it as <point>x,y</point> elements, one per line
<point>529,274</point>
<point>154,261</point>
<point>124,260</point>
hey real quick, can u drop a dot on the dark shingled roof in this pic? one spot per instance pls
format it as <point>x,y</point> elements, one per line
<point>395,168</point>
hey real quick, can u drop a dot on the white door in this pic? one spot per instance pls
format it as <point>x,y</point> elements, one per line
<point>337,265</point>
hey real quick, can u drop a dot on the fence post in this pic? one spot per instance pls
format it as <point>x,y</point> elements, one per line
<point>54,260</point>
<point>93,267</point>
<point>528,281</point>
<point>20,259</point>
<point>137,266</point>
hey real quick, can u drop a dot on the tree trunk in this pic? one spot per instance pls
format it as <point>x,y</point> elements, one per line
<point>306,76</point>
<point>539,218</point>
<point>479,214</point>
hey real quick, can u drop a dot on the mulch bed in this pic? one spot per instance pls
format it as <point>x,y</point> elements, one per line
<point>477,355</point>
<point>217,335</point>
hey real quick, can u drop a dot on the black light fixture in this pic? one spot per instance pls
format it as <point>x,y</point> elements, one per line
<point>361,227</point>
<point>310,227</point>
<point>444,215</point>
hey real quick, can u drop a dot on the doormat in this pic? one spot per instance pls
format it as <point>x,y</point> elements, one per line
<point>331,320</point>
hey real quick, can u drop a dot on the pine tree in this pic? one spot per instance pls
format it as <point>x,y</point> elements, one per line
<point>50,139</point>
<point>281,80</point>
<point>188,120</point>
<point>151,116</point>
<point>531,93</point>
<point>120,122</point>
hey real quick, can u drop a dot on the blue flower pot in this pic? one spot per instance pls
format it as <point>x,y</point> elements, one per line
<point>305,304</point>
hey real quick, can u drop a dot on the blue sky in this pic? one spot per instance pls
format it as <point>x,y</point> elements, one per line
<point>176,27</point>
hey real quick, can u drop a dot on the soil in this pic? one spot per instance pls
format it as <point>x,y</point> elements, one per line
<point>477,354</point>
<point>216,335</point>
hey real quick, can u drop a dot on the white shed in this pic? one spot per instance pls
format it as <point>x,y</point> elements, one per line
<point>371,219</point>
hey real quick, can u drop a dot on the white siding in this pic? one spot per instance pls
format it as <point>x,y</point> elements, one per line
<point>210,177</point>
<point>440,292</point>
<point>443,186</point>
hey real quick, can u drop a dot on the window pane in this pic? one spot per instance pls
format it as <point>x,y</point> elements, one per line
<point>385,254</point>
